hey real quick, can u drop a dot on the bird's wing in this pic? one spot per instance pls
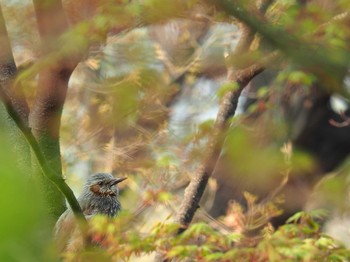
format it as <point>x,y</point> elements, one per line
<point>64,229</point>
<point>67,235</point>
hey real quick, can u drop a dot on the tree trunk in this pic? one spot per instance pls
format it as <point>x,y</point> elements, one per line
<point>45,116</point>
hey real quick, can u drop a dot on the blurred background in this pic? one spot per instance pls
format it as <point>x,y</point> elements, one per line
<point>143,100</point>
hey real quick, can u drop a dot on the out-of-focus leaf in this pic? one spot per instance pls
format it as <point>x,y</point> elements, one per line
<point>155,11</point>
<point>24,226</point>
<point>228,87</point>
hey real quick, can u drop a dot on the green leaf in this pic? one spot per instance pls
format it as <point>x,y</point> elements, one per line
<point>217,256</point>
<point>228,87</point>
<point>164,197</point>
<point>295,218</point>
<point>262,92</point>
<point>300,77</point>
<point>183,251</point>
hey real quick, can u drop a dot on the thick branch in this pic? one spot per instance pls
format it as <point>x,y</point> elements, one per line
<point>46,170</point>
<point>51,19</point>
<point>8,71</point>
<point>45,116</point>
<point>53,79</point>
<point>329,68</point>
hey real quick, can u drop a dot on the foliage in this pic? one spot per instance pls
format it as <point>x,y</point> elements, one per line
<point>24,229</point>
<point>148,70</point>
<point>299,240</point>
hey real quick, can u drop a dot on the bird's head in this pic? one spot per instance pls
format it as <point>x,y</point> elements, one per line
<point>103,184</point>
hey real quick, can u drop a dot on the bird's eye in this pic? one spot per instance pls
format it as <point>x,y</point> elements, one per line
<point>100,183</point>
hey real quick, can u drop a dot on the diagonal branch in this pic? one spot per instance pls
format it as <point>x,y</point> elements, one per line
<point>45,168</point>
<point>247,33</point>
<point>17,108</point>
<point>322,62</point>
<point>228,106</point>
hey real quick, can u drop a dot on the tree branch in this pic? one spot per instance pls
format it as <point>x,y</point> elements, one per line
<point>329,68</point>
<point>228,106</point>
<point>45,116</point>
<point>17,108</point>
<point>8,71</point>
<point>56,179</point>
<point>247,33</point>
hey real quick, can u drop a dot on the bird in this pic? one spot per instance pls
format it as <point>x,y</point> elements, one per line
<point>99,196</point>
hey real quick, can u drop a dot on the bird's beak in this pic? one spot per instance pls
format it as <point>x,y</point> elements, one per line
<point>117,180</point>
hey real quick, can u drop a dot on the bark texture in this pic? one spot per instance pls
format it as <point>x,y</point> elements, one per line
<point>8,71</point>
<point>228,106</point>
<point>45,116</point>
<point>17,112</point>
